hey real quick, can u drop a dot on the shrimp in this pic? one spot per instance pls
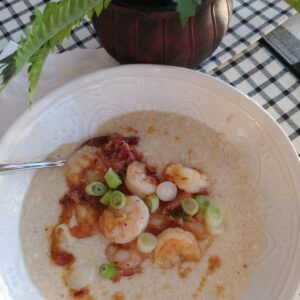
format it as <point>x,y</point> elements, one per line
<point>57,252</point>
<point>126,258</point>
<point>196,227</point>
<point>137,181</point>
<point>86,215</point>
<point>86,218</point>
<point>187,179</point>
<point>124,225</point>
<point>84,166</point>
<point>175,245</point>
<point>158,222</point>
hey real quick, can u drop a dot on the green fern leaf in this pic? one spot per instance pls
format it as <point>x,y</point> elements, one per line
<point>53,25</point>
<point>37,61</point>
<point>294,3</point>
<point>106,3</point>
<point>7,68</point>
<point>64,33</point>
<point>44,27</point>
<point>90,13</point>
<point>98,9</point>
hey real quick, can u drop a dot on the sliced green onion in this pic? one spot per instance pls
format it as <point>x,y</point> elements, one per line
<point>146,242</point>
<point>203,202</point>
<point>190,206</point>
<point>107,271</point>
<point>106,198</point>
<point>112,179</point>
<point>96,188</point>
<point>118,200</point>
<point>166,191</point>
<point>152,202</point>
<point>213,216</point>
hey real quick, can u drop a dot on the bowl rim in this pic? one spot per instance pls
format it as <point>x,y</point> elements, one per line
<point>147,69</point>
<point>270,125</point>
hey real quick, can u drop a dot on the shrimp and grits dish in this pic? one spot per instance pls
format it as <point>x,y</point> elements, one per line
<point>155,206</point>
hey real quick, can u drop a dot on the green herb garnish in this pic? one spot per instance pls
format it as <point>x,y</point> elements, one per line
<point>107,271</point>
<point>96,188</point>
<point>118,200</point>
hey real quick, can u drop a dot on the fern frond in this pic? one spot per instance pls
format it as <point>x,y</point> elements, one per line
<point>53,25</point>
<point>98,9</point>
<point>7,68</point>
<point>56,17</point>
<point>106,3</point>
<point>294,3</point>
<point>37,61</point>
<point>63,34</point>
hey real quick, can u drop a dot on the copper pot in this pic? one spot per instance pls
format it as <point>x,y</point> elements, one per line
<point>137,34</point>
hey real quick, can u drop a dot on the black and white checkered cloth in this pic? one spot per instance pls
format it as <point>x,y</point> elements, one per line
<point>257,72</point>
<point>267,81</point>
<point>252,19</point>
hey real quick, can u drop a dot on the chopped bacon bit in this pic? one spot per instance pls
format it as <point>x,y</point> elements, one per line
<point>124,152</point>
<point>132,140</point>
<point>151,169</point>
<point>130,271</point>
<point>117,151</point>
<point>137,154</point>
<point>97,141</point>
<point>118,165</point>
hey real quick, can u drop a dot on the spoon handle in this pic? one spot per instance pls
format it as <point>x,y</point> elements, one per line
<point>32,165</point>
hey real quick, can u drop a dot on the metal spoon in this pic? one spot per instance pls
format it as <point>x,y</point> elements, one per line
<point>4,168</point>
<point>94,142</point>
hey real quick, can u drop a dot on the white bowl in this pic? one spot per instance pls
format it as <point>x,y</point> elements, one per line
<point>74,111</point>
